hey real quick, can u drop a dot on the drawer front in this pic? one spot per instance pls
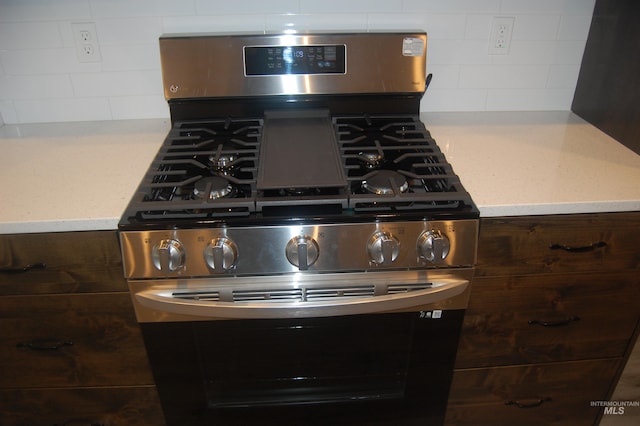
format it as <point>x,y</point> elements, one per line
<point>549,244</point>
<point>71,340</point>
<point>547,318</point>
<point>75,262</point>
<point>131,406</point>
<point>550,394</point>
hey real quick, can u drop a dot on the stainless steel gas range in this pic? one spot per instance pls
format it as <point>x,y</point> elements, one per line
<point>299,249</point>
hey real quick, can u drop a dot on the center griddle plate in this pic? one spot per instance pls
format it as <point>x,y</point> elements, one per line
<point>299,150</point>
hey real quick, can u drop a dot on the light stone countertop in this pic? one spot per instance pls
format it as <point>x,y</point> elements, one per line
<point>80,176</point>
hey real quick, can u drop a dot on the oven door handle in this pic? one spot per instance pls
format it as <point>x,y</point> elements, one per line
<point>161,301</point>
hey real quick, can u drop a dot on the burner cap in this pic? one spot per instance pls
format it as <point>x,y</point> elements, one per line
<point>383,182</point>
<point>222,161</point>
<point>372,159</point>
<point>212,188</point>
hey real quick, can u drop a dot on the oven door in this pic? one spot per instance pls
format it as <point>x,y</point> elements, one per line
<point>391,367</point>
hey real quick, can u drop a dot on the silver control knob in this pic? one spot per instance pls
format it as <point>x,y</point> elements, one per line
<point>168,255</point>
<point>221,254</point>
<point>383,248</point>
<point>433,245</point>
<point>302,251</point>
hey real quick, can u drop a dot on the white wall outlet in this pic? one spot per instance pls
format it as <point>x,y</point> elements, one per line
<point>501,31</point>
<point>86,41</point>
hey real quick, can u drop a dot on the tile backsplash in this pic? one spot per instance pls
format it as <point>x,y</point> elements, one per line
<point>42,79</point>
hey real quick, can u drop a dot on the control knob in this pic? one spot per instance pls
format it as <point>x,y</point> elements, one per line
<point>433,245</point>
<point>383,248</point>
<point>221,254</point>
<point>302,251</point>
<point>168,255</point>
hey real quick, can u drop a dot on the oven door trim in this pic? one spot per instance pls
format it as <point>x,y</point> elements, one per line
<point>298,295</point>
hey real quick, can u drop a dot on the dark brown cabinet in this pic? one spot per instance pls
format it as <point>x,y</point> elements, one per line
<point>552,318</point>
<point>70,347</point>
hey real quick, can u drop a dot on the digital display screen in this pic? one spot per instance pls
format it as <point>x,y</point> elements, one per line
<point>279,60</point>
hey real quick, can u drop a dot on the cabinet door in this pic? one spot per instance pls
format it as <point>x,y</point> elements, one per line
<point>130,406</point>
<point>71,340</point>
<point>67,262</point>
<point>547,318</point>
<point>547,394</point>
<point>552,244</point>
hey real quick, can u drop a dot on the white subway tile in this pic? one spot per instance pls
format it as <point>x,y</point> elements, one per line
<point>478,27</point>
<point>215,24</point>
<point>121,83</point>
<point>132,8</point>
<point>395,21</point>
<point>129,30</point>
<point>240,7</point>
<point>584,7</point>
<point>43,10</point>
<point>36,86</point>
<point>317,21</point>
<point>29,35</point>
<point>461,52</point>
<point>536,27</point>
<point>574,27</point>
<point>563,76</point>
<point>130,57</point>
<point>445,26</point>
<point>8,112</point>
<point>350,6</point>
<point>45,61</point>
<point>68,109</point>
<point>504,76</point>
<point>134,107</point>
<point>459,6</point>
<point>444,76</point>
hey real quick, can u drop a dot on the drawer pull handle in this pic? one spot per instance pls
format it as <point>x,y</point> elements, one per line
<point>22,269</point>
<point>531,404</point>
<point>583,249</point>
<point>556,323</point>
<point>45,345</point>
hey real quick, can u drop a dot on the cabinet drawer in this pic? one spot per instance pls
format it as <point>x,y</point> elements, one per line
<point>571,243</point>
<point>128,406</point>
<point>549,394</point>
<point>71,340</point>
<point>586,316</point>
<point>76,262</point>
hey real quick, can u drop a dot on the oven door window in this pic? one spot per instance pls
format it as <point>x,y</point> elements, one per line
<point>288,362</point>
<point>377,369</point>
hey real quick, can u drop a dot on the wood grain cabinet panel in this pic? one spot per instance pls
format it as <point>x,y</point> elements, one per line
<point>552,317</point>
<point>111,406</point>
<point>71,340</point>
<point>557,244</point>
<point>545,318</point>
<point>537,394</point>
<point>71,350</point>
<point>75,262</point>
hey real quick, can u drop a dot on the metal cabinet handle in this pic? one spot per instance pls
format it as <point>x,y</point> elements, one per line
<point>532,404</point>
<point>556,323</point>
<point>45,344</point>
<point>582,249</point>
<point>22,269</point>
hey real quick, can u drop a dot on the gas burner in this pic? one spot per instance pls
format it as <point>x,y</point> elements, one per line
<point>371,159</point>
<point>384,182</point>
<point>212,188</point>
<point>298,192</point>
<point>222,163</point>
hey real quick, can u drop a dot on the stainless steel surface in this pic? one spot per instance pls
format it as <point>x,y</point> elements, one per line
<point>299,295</point>
<point>200,65</point>
<point>262,250</point>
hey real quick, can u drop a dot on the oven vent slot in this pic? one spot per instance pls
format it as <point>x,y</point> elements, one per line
<point>339,292</point>
<point>268,295</point>
<point>406,288</point>
<point>212,296</point>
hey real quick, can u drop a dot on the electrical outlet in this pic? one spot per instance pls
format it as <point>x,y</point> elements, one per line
<point>501,32</point>
<point>86,41</point>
